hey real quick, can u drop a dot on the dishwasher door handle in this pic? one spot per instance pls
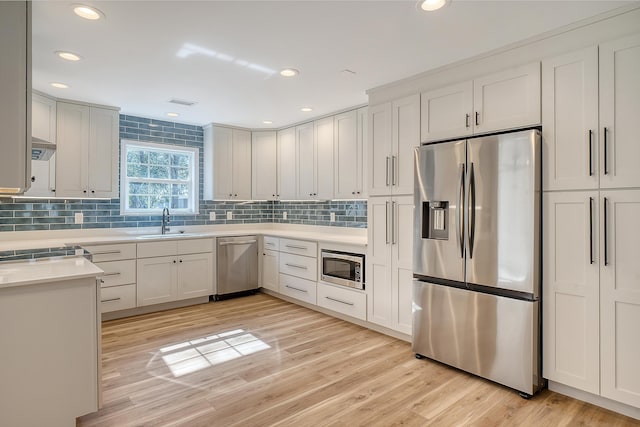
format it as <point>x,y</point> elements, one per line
<point>244,242</point>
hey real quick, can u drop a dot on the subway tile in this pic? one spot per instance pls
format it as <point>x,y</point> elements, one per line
<point>65,226</point>
<point>32,227</point>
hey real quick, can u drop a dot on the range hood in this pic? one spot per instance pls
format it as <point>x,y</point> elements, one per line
<point>41,149</point>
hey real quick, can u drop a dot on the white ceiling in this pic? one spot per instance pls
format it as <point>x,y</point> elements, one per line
<point>220,53</point>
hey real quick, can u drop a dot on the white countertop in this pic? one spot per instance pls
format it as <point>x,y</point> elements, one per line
<point>44,239</point>
<point>22,273</point>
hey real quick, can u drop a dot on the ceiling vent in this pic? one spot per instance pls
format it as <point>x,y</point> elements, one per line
<point>182,102</point>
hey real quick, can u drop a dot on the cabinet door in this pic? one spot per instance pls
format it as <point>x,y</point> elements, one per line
<point>222,163</point>
<point>378,263</point>
<point>363,153</point>
<point>323,138</point>
<point>571,290</point>
<point>406,137</point>
<point>305,162</point>
<point>43,118</point>
<point>264,159</point>
<point>446,112</point>
<point>102,171</point>
<point>195,275</point>
<point>287,163</point>
<point>270,265</point>
<point>71,149</point>
<point>43,178</point>
<point>620,296</point>
<point>157,280</point>
<point>570,121</point>
<point>347,156</point>
<point>619,112</point>
<point>506,100</point>
<point>402,262</point>
<point>241,185</point>
<point>379,146</point>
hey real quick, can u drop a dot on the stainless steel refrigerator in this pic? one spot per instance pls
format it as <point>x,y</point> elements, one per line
<point>476,261</point>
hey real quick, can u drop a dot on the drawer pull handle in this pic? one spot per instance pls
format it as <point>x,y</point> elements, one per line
<point>340,301</point>
<point>297,289</point>
<point>107,252</point>
<point>117,273</point>
<point>302,267</point>
<point>111,299</point>
<point>304,248</point>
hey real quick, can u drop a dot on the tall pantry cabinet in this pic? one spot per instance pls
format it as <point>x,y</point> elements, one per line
<point>393,133</point>
<point>591,278</point>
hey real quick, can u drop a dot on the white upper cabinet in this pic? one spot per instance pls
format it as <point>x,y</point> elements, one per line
<point>227,163</point>
<point>265,163</point>
<point>86,151</point>
<point>241,164</point>
<point>445,112</point>
<point>394,132</point>
<point>305,162</point>
<point>323,139</point>
<point>287,163</point>
<point>619,113</point>
<point>570,120</point>
<point>43,127</point>
<point>505,100</point>
<point>348,156</point>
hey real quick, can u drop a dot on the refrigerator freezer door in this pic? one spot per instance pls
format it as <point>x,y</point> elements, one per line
<point>438,250</point>
<point>490,336</point>
<point>503,211</point>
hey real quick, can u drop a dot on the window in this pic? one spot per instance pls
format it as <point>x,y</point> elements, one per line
<point>157,176</point>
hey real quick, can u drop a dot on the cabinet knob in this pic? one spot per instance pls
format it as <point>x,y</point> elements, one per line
<point>33,179</point>
<point>357,192</point>
<point>235,195</point>
<point>180,261</point>
<point>174,261</point>
<point>84,191</point>
<point>230,195</point>
<point>353,192</point>
<point>93,191</point>
<point>53,190</point>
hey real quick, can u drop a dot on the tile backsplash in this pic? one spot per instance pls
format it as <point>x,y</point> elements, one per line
<point>58,214</point>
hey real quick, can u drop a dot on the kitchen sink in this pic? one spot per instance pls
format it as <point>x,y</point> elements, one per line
<point>168,236</point>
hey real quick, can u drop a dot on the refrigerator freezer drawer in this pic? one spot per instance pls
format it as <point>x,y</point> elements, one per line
<point>490,336</point>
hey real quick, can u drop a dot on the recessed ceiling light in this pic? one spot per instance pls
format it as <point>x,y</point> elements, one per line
<point>59,85</point>
<point>431,5</point>
<point>173,114</point>
<point>69,56</point>
<point>306,109</point>
<point>289,72</point>
<point>267,122</point>
<point>87,12</point>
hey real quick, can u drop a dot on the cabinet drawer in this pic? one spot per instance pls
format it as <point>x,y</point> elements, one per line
<point>299,247</point>
<point>195,246</point>
<point>299,266</point>
<point>295,287</point>
<point>154,249</point>
<point>117,298</point>
<point>117,252</point>
<point>271,242</point>
<point>343,300</point>
<point>118,272</point>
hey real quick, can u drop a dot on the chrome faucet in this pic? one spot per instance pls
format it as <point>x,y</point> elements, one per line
<point>166,219</point>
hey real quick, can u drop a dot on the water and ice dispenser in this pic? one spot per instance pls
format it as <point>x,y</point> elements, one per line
<point>435,220</point>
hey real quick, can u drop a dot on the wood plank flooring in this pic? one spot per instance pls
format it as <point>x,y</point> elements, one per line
<point>261,361</point>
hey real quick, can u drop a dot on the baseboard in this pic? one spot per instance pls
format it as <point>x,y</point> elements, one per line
<point>153,308</point>
<point>603,402</point>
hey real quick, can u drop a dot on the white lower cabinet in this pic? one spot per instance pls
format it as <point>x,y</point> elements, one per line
<point>591,288</point>
<point>298,288</point>
<point>116,298</point>
<point>389,271</point>
<point>178,274</point>
<point>298,265</point>
<point>270,269</point>
<point>343,300</point>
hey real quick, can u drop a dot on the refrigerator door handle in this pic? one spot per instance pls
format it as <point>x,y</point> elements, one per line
<point>472,210</point>
<point>460,213</point>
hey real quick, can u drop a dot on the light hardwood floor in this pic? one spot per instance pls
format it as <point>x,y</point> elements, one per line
<point>261,361</point>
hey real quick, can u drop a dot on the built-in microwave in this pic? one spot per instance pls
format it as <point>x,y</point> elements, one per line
<point>343,268</point>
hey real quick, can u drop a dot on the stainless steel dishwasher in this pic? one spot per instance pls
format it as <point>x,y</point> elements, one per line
<point>237,264</point>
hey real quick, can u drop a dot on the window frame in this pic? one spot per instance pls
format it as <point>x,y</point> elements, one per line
<point>194,197</point>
